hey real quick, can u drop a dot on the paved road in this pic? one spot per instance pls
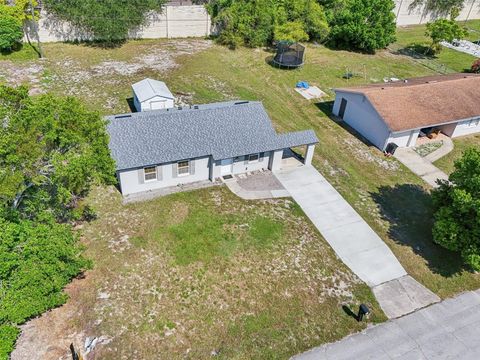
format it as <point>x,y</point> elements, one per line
<point>447,330</point>
<point>420,166</point>
<point>359,247</point>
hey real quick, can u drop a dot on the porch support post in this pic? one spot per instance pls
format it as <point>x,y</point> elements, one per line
<point>212,169</point>
<point>275,162</point>
<point>309,154</point>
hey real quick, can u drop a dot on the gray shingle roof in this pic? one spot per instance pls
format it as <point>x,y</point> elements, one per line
<point>222,130</point>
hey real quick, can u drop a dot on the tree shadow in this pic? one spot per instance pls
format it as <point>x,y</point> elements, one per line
<point>416,51</point>
<point>408,210</point>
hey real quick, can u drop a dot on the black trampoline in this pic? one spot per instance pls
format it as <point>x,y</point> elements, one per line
<point>289,55</point>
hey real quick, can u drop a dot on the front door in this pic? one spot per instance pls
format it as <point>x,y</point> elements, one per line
<point>343,107</point>
<point>226,166</point>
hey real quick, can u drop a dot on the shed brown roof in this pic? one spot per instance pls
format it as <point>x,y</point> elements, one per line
<point>424,102</point>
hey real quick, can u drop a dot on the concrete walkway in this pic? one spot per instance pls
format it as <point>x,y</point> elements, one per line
<point>357,245</point>
<point>447,330</point>
<point>256,186</point>
<point>447,147</point>
<point>420,166</point>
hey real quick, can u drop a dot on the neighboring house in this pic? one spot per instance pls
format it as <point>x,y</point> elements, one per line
<point>151,94</point>
<point>165,148</point>
<point>396,112</point>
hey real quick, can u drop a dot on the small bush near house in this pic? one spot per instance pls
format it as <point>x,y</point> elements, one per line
<point>457,209</point>
<point>476,67</point>
<point>11,33</point>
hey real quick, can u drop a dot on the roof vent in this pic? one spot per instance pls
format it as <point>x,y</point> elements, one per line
<point>123,116</point>
<point>241,102</point>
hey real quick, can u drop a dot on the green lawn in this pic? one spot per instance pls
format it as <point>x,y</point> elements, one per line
<point>447,60</point>
<point>461,144</point>
<point>195,272</point>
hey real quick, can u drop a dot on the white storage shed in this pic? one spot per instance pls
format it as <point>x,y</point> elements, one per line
<point>150,94</point>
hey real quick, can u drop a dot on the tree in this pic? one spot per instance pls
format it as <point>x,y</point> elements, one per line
<point>37,260</point>
<point>256,22</point>
<point>439,7</point>
<point>291,31</point>
<point>24,12</point>
<point>457,209</point>
<point>476,67</point>
<point>443,30</point>
<point>11,32</point>
<point>105,21</point>
<point>52,150</point>
<point>365,25</point>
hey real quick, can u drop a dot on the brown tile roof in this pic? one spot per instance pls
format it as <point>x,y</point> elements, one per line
<point>426,101</point>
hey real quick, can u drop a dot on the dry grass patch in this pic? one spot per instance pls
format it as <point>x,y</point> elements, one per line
<point>201,272</point>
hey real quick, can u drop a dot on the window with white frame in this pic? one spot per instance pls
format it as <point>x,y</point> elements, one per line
<point>183,168</point>
<point>150,173</point>
<point>253,157</point>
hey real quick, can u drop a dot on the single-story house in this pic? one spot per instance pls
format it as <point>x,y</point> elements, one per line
<point>170,147</point>
<point>151,94</point>
<point>396,112</point>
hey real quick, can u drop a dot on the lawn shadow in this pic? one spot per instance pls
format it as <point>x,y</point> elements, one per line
<point>408,210</point>
<point>326,107</point>
<point>131,104</point>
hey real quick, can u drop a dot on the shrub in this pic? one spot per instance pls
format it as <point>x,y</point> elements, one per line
<point>476,67</point>
<point>257,22</point>
<point>365,25</point>
<point>291,31</point>
<point>106,21</point>
<point>457,209</point>
<point>11,32</point>
<point>8,336</point>
<point>443,30</point>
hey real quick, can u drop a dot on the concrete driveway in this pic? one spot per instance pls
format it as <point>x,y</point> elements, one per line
<point>447,330</point>
<point>357,245</point>
<point>360,248</point>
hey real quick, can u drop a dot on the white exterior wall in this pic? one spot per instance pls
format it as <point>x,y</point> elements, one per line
<point>174,22</point>
<point>405,16</point>
<point>147,105</point>
<point>240,165</point>
<point>362,116</point>
<point>130,179</point>
<point>467,127</point>
<point>405,138</point>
